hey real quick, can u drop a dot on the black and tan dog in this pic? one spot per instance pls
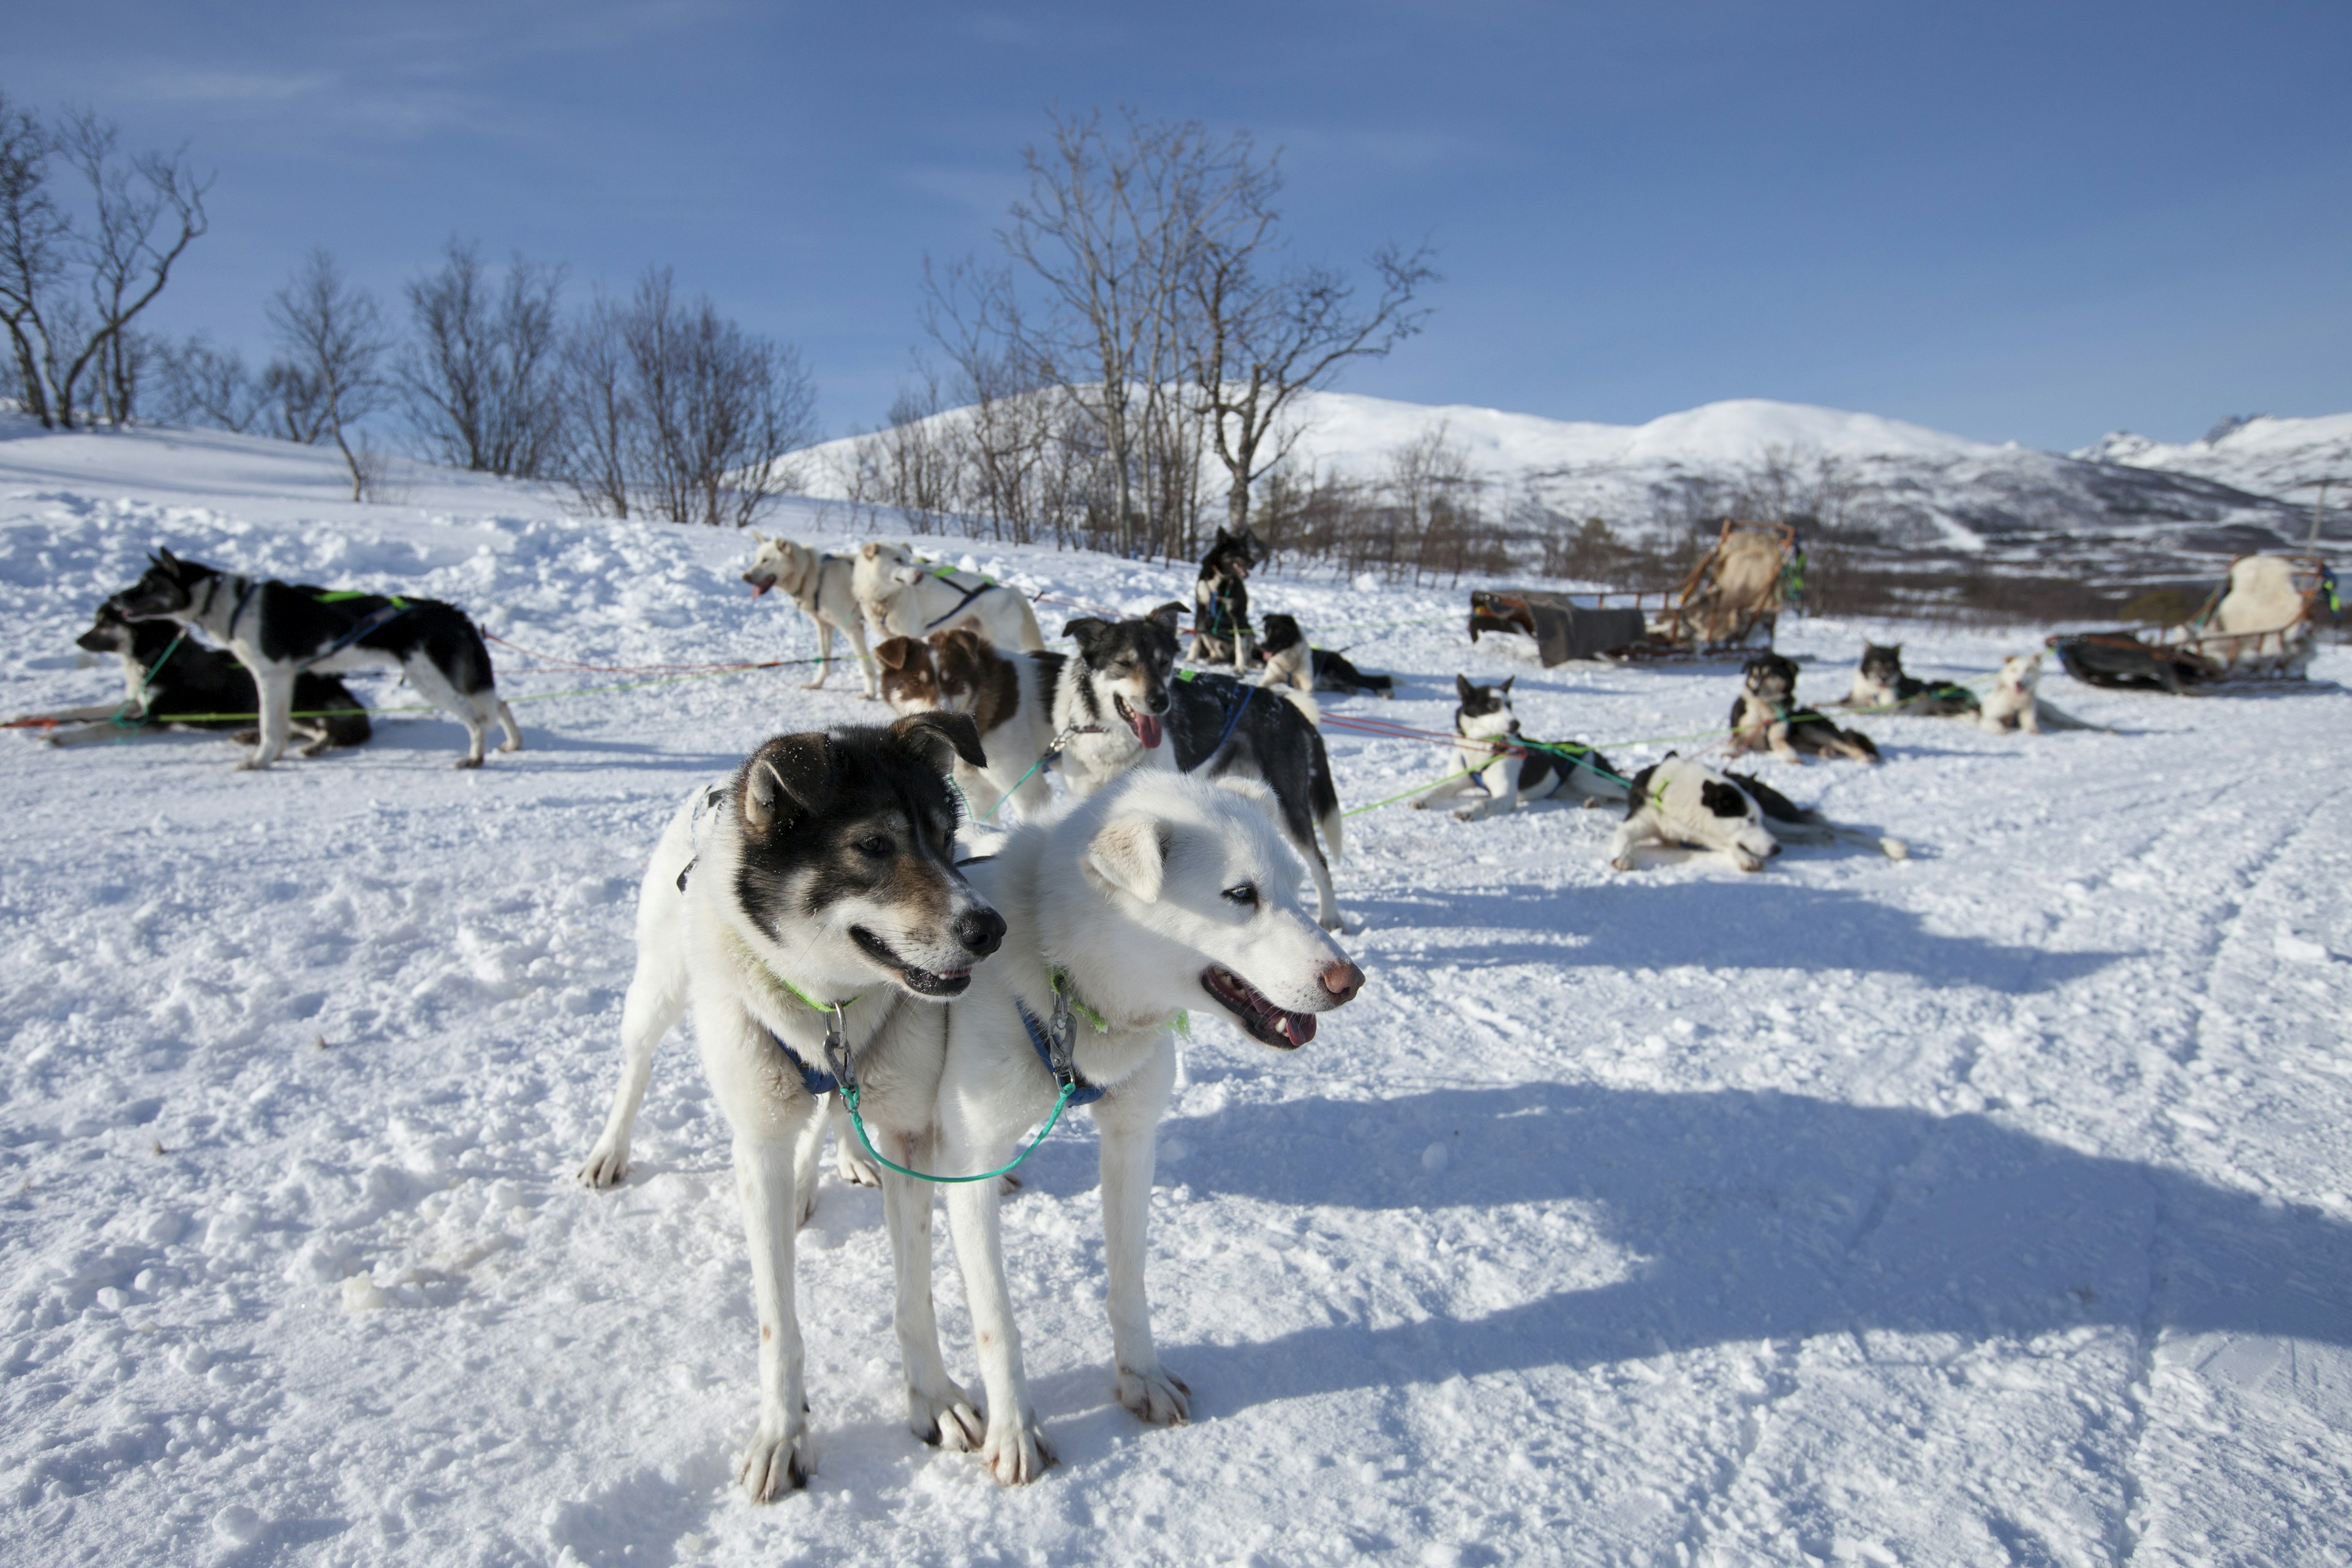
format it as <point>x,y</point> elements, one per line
<point>1221,618</point>
<point>1765,717</point>
<point>278,630</point>
<point>1880,684</point>
<point>170,681</point>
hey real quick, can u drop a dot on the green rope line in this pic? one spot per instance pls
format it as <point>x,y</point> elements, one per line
<point>849,1097</point>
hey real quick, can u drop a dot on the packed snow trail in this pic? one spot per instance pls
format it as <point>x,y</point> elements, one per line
<point>1989,1206</point>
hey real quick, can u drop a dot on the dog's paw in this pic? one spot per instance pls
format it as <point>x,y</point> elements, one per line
<point>607,1166</point>
<point>1894,848</point>
<point>1746,862</point>
<point>250,765</point>
<point>816,685</point>
<point>466,762</point>
<point>1015,1452</point>
<point>1622,863</point>
<point>776,1463</point>
<point>947,1419</point>
<point>1420,806</point>
<point>1470,813</point>
<point>510,746</point>
<point>1156,1394</point>
<point>852,1165</point>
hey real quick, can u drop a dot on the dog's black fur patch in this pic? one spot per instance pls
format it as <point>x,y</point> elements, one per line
<point>1768,693</point>
<point>1332,670</point>
<point>1221,595</point>
<point>199,680</point>
<point>1884,666</point>
<point>1722,799</point>
<point>857,811</point>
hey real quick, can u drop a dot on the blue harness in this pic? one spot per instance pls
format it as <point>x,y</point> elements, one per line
<point>1081,1091</point>
<point>817,1080</point>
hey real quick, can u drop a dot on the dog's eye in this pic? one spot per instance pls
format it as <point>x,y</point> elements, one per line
<point>876,844</point>
<point>1244,894</point>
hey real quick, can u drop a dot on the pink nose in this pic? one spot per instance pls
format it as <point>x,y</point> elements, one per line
<point>1343,980</point>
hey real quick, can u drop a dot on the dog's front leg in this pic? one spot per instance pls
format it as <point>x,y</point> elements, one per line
<point>1631,833</point>
<point>824,653</point>
<point>277,718</point>
<point>2029,718</point>
<point>1446,789</point>
<point>1501,779</point>
<point>778,1459</point>
<point>1128,1122</point>
<point>849,1162</point>
<point>1778,736</point>
<point>865,667</point>
<point>939,1410</point>
<point>1015,1449</point>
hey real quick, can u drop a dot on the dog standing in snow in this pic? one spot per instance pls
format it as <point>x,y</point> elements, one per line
<point>2015,702</point>
<point>1158,894</point>
<point>1765,716</point>
<point>1220,617</point>
<point>794,907</point>
<point>823,587</point>
<point>1490,753</point>
<point>908,598</point>
<point>1681,803</point>
<point>1010,697</point>
<point>278,630</point>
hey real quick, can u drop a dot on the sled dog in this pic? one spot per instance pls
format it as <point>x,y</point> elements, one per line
<point>1488,755</point>
<point>278,630</point>
<point>2015,702</point>
<point>1121,697</point>
<point>1765,716</point>
<point>822,585</point>
<point>1680,802</point>
<point>1010,697</point>
<point>1289,662</point>
<point>1220,622</point>
<point>1880,683</point>
<point>793,908</point>
<point>1158,894</point>
<point>910,598</point>
<point>170,681</point>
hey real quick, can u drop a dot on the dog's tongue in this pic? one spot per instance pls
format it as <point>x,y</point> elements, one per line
<point>1297,1027</point>
<point>1146,730</point>
<point>758,589</point>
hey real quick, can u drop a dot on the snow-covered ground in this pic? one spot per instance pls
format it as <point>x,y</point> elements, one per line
<point>1993,1207</point>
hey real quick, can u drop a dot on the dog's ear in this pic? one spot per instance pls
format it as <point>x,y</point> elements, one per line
<point>871,549</point>
<point>894,652</point>
<point>1506,684</point>
<point>1464,690</point>
<point>1131,854</point>
<point>1167,616</point>
<point>1722,799</point>
<point>1222,539</point>
<point>1088,633</point>
<point>789,777</point>
<point>933,735</point>
<point>1637,790</point>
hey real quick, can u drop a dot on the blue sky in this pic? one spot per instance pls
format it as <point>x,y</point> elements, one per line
<point>2030,222</point>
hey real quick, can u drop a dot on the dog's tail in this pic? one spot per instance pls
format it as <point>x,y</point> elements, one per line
<point>1305,702</point>
<point>1321,793</point>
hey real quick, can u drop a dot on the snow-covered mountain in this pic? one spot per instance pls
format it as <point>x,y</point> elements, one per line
<point>2259,453</point>
<point>1914,491</point>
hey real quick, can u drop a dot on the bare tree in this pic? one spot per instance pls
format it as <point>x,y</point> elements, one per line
<point>200,384</point>
<point>332,334</point>
<point>600,413</point>
<point>72,282</point>
<point>479,381</point>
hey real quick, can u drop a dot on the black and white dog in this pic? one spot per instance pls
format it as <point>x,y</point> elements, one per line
<point>1290,661</point>
<point>1221,620</point>
<point>1879,683</point>
<point>1765,717</point>
<point>170,681</point>
<point>1491,753</point>
<point>1681,803</point>
<point>1120,704</point>
<point>278,630</point>
<point>796,907</point>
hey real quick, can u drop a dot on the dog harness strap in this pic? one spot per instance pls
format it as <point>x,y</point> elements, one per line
<point>1234,719</point>
<point>815,1079</point>
<point>374,621</point>
<point>244,596</point>
<point>1056,1052</point>
<point>1065,997</point>
<point>969,595</point>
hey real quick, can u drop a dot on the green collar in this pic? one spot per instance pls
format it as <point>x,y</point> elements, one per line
<point>1065,992</point>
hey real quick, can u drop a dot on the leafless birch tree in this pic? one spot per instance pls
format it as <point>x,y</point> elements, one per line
<point>332,336</point>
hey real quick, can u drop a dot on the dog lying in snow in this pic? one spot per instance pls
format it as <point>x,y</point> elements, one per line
<point>1879,683</point>
<point>907,598</point>
<point>1289,662</point>
<point>796,907</point>
<point>822,586</point>
<point>278,630</point>
<point>1121,697</point>
<point>1680,802</point>
<point>1488,754</point>
<point>1010,697</point>
<point>1765,716</point>
<point>1156,894</point>
<point>2016,703</point>
<point>167,674</point>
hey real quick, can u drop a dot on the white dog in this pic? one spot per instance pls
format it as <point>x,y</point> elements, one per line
<point>824,587</point>
<point>907,598</point>
<point>1160,893</point>
<point>792,908</point>
<point>2015,702</point>
<point>1681,802</point>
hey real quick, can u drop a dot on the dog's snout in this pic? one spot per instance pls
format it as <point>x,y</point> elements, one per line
<point>1342,980</point>
<point>980,930</point>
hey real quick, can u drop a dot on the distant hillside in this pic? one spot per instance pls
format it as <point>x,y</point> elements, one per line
<point>2259,453</point>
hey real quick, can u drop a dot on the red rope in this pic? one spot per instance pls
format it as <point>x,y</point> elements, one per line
<point>570,664</point>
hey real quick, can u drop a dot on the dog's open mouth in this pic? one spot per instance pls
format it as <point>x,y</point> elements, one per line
<point>914,978</point>
<point>1266,1024</point>
<point>1146,727</point>
<point>759,584</point>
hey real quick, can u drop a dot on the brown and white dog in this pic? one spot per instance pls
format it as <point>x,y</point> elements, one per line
<point>1009,697</point>
<point>823,587</point>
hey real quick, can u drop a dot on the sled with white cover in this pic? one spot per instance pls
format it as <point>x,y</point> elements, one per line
<point>2259,623</point>
<point>1730,603</point>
